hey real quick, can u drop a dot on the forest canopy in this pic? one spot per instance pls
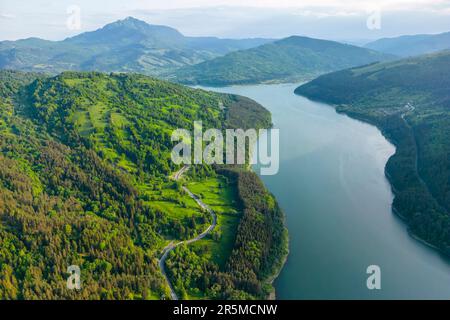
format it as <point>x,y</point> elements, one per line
<point>84,180</point>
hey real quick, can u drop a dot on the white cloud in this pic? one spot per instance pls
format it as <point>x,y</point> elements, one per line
<point>232,18</point>
<point>7,15</point>
<point>325,14</point>
<point>341,4</point>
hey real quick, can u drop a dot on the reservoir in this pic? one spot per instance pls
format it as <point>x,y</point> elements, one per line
<point>337,200</point>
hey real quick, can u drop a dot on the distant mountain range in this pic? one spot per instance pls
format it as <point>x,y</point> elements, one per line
<point>132,45</point>
<point>412,45</point>
<point>291,59</point>
<point>128,45</point>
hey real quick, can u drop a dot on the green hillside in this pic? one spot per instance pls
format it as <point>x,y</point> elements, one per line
<point>84,180</point>
<point>413,45</point>
<point>409,100</point>
<point>288,60</point>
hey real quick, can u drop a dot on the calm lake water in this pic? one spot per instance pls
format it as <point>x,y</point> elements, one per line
<point>332,188</point>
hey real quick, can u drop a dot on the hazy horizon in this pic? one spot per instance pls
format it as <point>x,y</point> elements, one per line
<point>336,20</point>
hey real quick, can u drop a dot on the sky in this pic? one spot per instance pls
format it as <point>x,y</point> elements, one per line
<point>356,21</point>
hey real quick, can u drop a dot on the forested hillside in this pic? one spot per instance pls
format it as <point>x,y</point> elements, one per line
<point>287,60</point>
<point>84,180</point>
<point>257,253</point>
<point>410,101</point>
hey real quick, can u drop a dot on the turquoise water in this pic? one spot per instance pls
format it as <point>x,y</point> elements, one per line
<point>337,201</point>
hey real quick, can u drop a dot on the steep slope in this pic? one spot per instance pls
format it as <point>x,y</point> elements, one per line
<point>412,45</point>
<point>84,167</point>
<point>125,45</point>
<point>410,101</point>
<point>290,59</point>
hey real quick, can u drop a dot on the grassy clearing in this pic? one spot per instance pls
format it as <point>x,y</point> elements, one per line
<point>166,198</point>
<point>221,196</point>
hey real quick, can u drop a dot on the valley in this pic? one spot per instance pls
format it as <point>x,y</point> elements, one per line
<point>352,142</point>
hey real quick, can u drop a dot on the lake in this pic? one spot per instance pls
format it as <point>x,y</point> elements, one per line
<point>332,188</point>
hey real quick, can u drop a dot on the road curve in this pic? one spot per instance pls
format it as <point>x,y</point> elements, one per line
<point>171,246</point>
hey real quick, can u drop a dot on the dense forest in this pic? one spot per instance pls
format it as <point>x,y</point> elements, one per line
<point>409,100</point>
<point>255,257</point>
<point>84,180</point>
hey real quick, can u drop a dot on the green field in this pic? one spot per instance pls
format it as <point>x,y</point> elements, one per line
<point>221,196</point>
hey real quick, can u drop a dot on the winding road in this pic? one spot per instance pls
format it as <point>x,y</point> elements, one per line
<point>171,246</point>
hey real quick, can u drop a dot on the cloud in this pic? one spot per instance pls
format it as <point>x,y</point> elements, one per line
<point>325,14</point>
<point>7,15</point>
<point>359,5</point>
<point>234,18</point>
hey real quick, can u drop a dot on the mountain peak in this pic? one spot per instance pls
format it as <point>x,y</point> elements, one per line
<point>129,22</point>
<point>302,40</point>
<point>130,18</point>
<point>129,31</point>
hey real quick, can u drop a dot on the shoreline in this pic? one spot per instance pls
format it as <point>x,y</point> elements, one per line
<point>388,177</point>
<point>270,279</point>
<point>366,120</point>
<point>412,235</point>
<point>249,84</point>
<point>391,209</point>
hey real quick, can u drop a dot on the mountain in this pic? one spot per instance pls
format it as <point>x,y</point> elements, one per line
<point>84,180</point>
<point>291,59</point>
<point>128,45</point>
<point>409,100</point>
<point>412,45</point>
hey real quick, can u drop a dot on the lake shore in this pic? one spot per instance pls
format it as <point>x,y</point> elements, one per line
<point>389,178</point>
<point>338,206</point>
